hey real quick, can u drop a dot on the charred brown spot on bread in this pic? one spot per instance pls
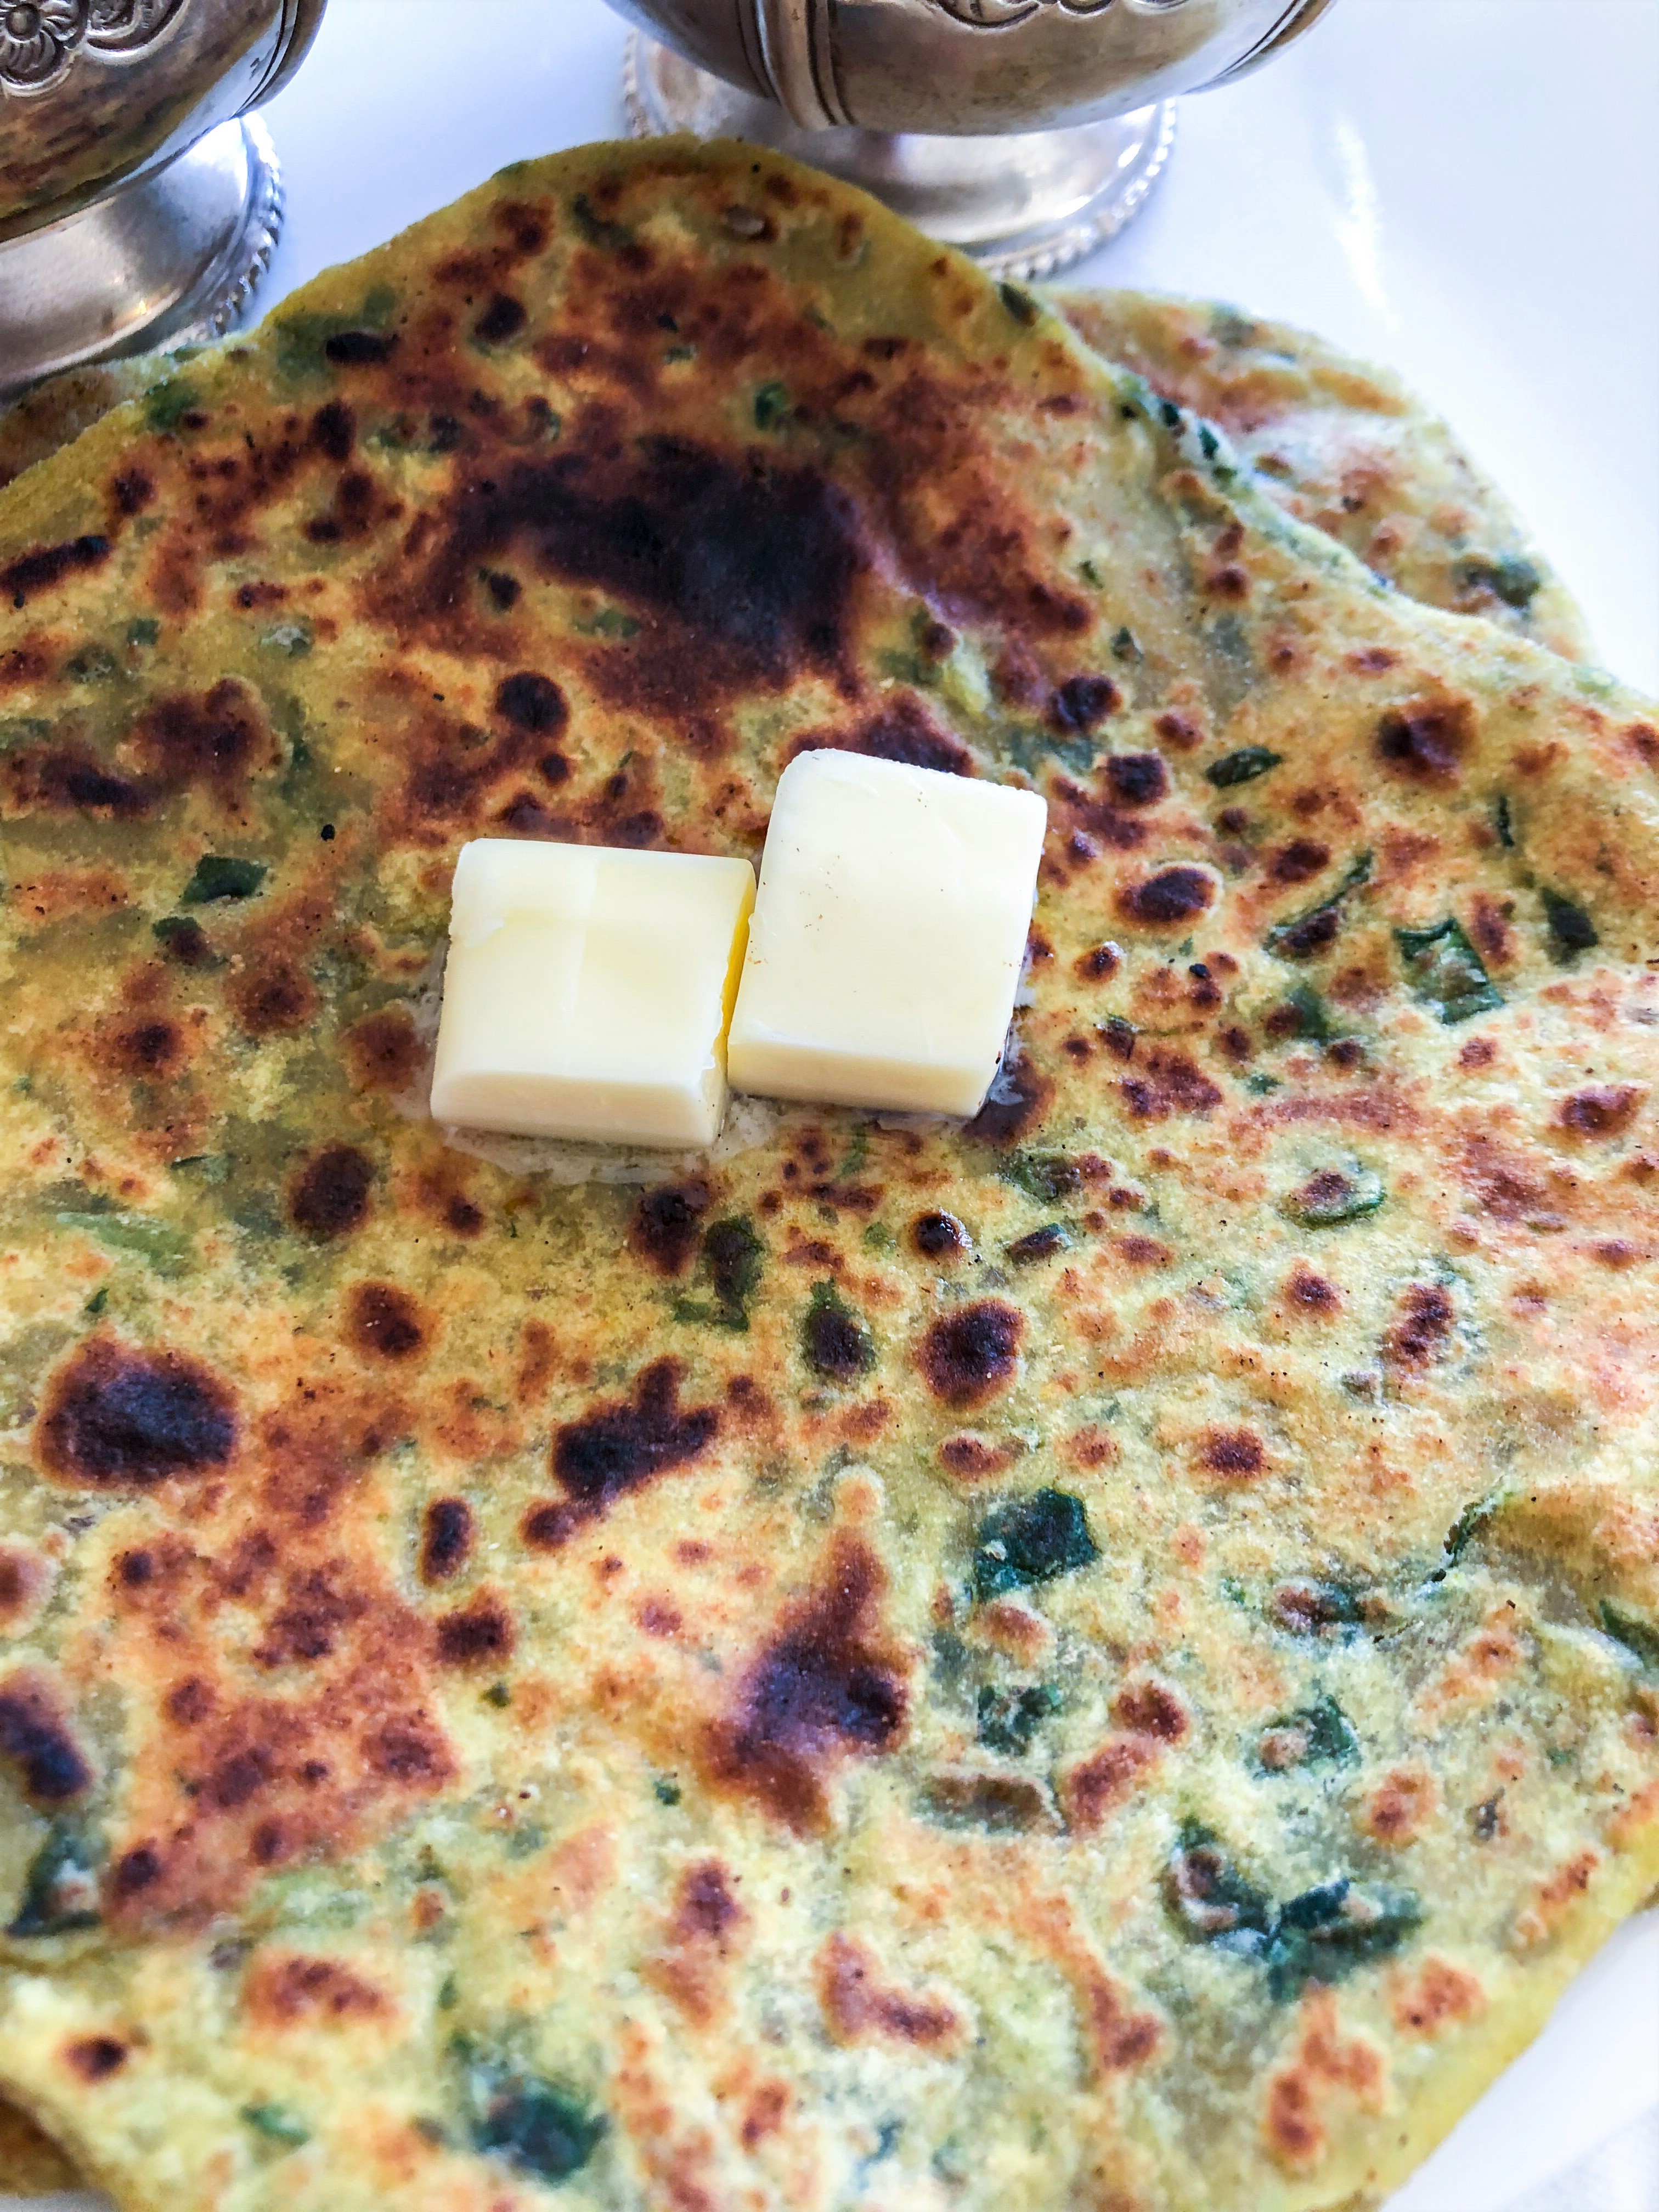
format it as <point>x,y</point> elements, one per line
<point>617,1449</point>
<point>291,1990</point>
<point>383,1050</point>
<point>383,1323</point>
<point>1237,1454</point>
<point>1151,1708</point>
<point>117,1417</point>
<point>273,997</point>
<point>858,2007</point>
<point>1019,1099</point>
<point>1299,861</point>
<point>38,1743</point>
<point>533,703</point>
<point>667,1224</point>
<point>1095,1788</point>
<point>1601,1109</point>
<point>1170,897</point>
<point>1167,1083</point>
<point>939,1237</point>
<point>334,431</point>
<point>902,731</point>
<point>1420,1336</point>
<point>445,1539</point>
<point>330,1196</point>
<point>1081,703</point>
<point>94,2059</point>
<point>1310,1293</point>
<point>1136,779</point>
<point>481,1633</point>
<point>148,1049</point>
<point>1426,742</point>
<point>827,1687</point>
<point>213,742</point>
<point>968,1355</point>
<point>46,566</point>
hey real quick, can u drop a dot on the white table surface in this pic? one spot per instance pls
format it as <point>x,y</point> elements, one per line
<point>1468,189</point>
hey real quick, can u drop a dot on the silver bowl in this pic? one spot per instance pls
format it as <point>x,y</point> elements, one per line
<point>1027,131</point>
<point>139,205</point>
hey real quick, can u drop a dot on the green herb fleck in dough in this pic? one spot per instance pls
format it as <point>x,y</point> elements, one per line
<point>93,664</point>
<point>1031,1539</point>
<point>666,1791</point>
<point>1445,971</point>
<point>1330,1931</point>
<point>1039,1174</point>
<point>1334,1196</point>
<point>732,1259</point>
<point>219,878</point>
<point>1509,577</point>
<point>166,1249</point>
<point>594,228</point>
<point>294,639</point>
<point>1303,1017</point>
<point>1213,1901</point>
<point>1502,822</point>
<point>1125,647</point>
<point>1242,766</point>
<point>1008,1719</point>
<point>834,1341</point>
<point>1319,1735</point>
<point>1314,930</point>
<point>1636,1635</point>
<point>771,406</point>
<point>532,2122</point>
<point>1570,929</point>
<point>166,406</point>
<point>609,622</point>
<point>278,2126</point>
<point>144,630</point>
<point>60,1890</point>
<point>1020,305</point>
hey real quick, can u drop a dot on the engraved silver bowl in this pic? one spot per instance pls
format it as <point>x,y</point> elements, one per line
<point>1027,131</point>
<point>140,203</point>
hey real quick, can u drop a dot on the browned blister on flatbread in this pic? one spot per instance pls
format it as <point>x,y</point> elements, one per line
<point>1106,1656</point>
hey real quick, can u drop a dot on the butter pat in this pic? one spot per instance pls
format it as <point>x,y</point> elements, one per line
<point>888,937</point>
<point>588,992</point>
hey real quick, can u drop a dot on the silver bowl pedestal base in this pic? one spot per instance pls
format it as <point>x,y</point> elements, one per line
<point>169,258</point>
<point>1025,204</point>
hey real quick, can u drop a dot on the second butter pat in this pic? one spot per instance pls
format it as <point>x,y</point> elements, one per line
<point>588,990</point>
<point>888,936</point>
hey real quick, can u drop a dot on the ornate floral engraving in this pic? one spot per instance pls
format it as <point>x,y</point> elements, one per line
<point>39,38</point>
<point>993,14</point>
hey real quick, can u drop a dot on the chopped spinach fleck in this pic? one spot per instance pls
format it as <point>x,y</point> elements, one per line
<point>498,1695</point>
<point>1309,1607</point>
<point>732,1258</point>
<point>1507,576</point>
<point>1039,1175</point>
<point>1333,1196</point>
<point>1323,1935</point>
<point>166,405</point>
<point>277,2125</point>
<point>293,640</point>
<point>665,1790</point>
<point>1636,1635</point>
<point>1009,1718</point>
<point>595,228</point>
<point>93,664</point>
<point>1213,1902</point>
<point>1445,971</point>
<point>162,1247</point>
<point>1303,1017</point>
<point>1328,1932</point>
<point>608,622</point>
<point>449,1993</point>
<point>219,878</point>
<point>1312,930</point>
<point>1502,822</point>
<point>1125,647</point>
<point>878,1237</point>
<point>1469,1524</point>
<point>144,630</point>
<point>772,406</point>
<point>1020,305</point>
<point>535,2124</point>
<point>834,1341</point>
<point>1570,929</point>
<point>60,1890</point>
<point>1242,766</point>
<point>1031,1539</point>
<point>1319,1735</point>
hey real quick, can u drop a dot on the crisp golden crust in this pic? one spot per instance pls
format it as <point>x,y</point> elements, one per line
<point>1347,448</point>
<point>1104,1658</point>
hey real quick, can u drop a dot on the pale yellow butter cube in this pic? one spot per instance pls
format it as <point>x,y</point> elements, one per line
<point>888,937</point>
<point>588,992</point>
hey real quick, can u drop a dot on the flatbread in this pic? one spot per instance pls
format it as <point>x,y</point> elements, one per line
<point>1102,1659</point>
<point>1345,446</point>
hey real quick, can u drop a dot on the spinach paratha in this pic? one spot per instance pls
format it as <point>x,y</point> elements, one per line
<point>1107,1658</point>
<point>1345,446</point>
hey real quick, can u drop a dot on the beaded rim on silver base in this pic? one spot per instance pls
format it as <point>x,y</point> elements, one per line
<point>1022,205</point>
<point>173,258</point>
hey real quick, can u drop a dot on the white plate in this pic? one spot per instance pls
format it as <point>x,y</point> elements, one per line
<point>1468,189</point>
